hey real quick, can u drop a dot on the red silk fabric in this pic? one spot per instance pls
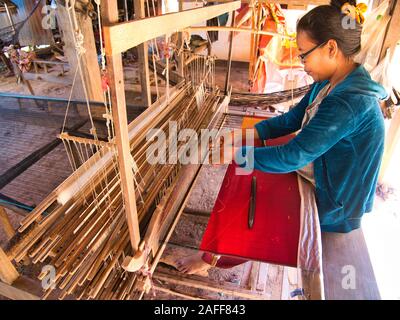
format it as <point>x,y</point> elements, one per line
<point>274,237</point>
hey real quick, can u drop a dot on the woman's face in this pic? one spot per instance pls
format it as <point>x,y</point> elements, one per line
<point>320,64</point>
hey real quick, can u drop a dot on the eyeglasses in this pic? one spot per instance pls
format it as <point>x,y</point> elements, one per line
<point>304,55</point>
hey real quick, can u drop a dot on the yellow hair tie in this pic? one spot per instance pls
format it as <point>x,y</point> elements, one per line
<point>356,12</point>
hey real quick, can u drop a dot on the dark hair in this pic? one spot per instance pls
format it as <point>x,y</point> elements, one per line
<point>326,22</point>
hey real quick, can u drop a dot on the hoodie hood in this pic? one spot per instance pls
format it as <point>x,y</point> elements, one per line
<point>359,82</point>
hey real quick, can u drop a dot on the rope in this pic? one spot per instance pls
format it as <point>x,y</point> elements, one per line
<point>78,42</point>
<point>69,100</point>
<point>154,44</point>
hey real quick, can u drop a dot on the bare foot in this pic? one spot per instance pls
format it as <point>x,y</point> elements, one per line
<point>193,264</point>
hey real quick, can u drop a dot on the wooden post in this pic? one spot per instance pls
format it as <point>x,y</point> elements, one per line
<point>89,61</point>
<point>228,73</point>
<point>392,140</point>
<point>252,38</point>
<point>143,58</point>
<point>393,30</point>
<point>181,57</point>
<point>7,226</point>
<point>115,71</point>
<point>391,39</point>
<point>8,273</point>
<point>159,7</point>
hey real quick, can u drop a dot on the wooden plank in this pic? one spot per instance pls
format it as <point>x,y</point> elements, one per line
<point>206,284</point>
<point>285,295</point>
<point>292,279</point>
<point>123,36</point>
<point>175,293</point>
<point>19,290</point>
<point>347,250</point>
<point>262,277</point>
<point>5,221</point>
<point>8,273</point>
<point>143,58</point>
<point>274,281</point>
<point>254,275</point>
<point>60,63</point>
<point>297,6</point>
<point>245,278</point>
<point>65,80</point>
<point>115,71</point>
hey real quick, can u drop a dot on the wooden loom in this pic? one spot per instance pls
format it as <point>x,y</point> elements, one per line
<point>104,229</point>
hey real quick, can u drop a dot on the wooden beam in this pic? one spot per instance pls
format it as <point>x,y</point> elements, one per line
<point>228,73</point>
<point>8,273</point>
<point>392,36</point>
<point>175,293</point>
<point>391,141</point>
<point>19,290</point>
<point>288,2</point>
<point>89,61</point>
<point>123,36</point>
<point>208,285</point>
<point>65,80</point>
<point>116,77</point>
<point>236,29</point>
<point>391,39</point>
<point>181,56</point>
<point>143,58</point>
<point>5,221</point>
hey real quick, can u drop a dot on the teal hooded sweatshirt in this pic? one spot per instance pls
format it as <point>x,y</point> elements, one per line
<point>344,139</point>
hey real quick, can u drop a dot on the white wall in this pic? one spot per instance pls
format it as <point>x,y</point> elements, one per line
<point>241,42</point>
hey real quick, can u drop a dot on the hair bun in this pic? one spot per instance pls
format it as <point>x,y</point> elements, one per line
<point>339,3</point>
